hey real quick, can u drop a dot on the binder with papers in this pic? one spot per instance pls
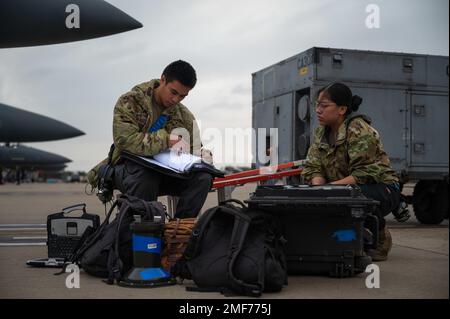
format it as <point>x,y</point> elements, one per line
<point>178,165</point>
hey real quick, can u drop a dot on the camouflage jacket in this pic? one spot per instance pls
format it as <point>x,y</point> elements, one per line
<point>357,152</point>
<point>134,113</point>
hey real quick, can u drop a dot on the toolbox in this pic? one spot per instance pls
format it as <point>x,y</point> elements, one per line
<point>327,228</point>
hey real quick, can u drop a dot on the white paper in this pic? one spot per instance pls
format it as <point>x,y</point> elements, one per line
<point>171,160</point>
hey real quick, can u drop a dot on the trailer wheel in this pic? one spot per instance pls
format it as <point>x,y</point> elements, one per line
<point>430,201</point>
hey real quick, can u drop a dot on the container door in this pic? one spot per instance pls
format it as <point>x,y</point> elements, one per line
<point>263,118</point>
<point>284,120</point>
<point>429,130</point>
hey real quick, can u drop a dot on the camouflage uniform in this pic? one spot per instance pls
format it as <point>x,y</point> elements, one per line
<point>134,113</point>
<point>357,152</point>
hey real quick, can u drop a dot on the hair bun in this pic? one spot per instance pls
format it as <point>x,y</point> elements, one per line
<point>356,102</point>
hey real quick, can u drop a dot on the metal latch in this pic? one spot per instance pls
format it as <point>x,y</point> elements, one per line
<point>419,110</point>
<point>408,65</point>
<point>337,60</point>
<point>419,148</point>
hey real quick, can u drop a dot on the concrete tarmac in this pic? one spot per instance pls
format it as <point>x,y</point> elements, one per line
<point>418,265</point>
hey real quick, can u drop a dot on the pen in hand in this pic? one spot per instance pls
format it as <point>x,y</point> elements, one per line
<point>177,144</point>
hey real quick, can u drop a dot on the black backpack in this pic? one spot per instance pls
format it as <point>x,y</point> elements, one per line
<point>107,252</point>
<point>235,251</point>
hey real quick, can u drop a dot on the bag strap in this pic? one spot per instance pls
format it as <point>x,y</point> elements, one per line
<point>180,268</point>
<point>85,244</point>
<point>238,236</point>
<point>115,264</point>
<point>239,233</point>
<point>110,153</point>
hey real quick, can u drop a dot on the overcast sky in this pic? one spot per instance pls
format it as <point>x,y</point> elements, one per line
<point>225,40</point>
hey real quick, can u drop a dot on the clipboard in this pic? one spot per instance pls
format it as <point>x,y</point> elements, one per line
<point>149,162</point>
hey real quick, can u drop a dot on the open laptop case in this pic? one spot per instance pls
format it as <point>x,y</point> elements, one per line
<point>63,235</point>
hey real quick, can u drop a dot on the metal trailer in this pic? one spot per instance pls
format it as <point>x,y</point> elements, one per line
<point>406,96</point>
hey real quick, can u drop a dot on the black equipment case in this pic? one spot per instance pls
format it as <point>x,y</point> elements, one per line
<point>326,227</point>
<point>65,232</point>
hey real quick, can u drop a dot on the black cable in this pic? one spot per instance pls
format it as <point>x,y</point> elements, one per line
<point>92,189</point>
